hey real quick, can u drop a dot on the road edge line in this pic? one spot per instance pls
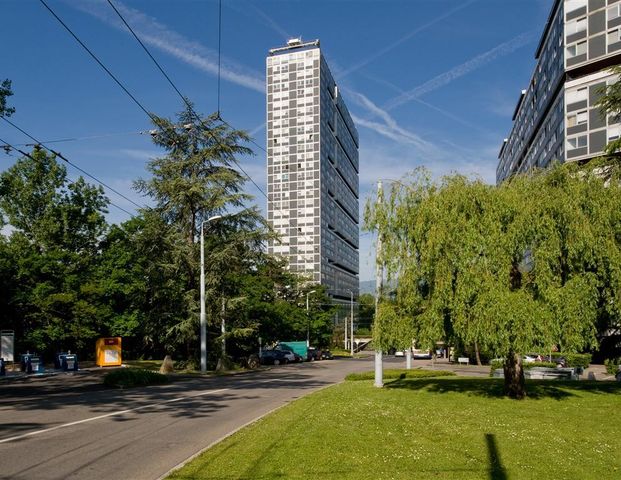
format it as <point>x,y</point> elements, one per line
<point>233,432</point>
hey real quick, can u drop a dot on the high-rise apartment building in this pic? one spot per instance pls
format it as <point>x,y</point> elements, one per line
<point>556,117</point>
<point>312,169</point>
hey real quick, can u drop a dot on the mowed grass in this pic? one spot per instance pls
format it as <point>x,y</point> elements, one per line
<point>429,428</point>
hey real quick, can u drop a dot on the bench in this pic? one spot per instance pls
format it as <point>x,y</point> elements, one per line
<point>464,360</point>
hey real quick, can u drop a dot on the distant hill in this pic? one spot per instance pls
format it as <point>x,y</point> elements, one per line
<point>367,286</point>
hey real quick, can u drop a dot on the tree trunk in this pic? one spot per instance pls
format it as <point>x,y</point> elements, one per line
<point>477,354</point>
<point>514,376</point>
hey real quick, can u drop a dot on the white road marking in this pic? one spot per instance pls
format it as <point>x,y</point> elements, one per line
<point>112,414</point>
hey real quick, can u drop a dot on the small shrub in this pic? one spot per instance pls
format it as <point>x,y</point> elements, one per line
<point>530,365</point>
<point>574,359</point>
<point>612,365</point>
<point>399,374</point>
<point>496,364</point>
<point>133,377</point>
<point>186,365</point>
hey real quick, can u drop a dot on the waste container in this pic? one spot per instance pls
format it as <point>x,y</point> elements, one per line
<point>108,351</point>
<point>69,362</point>
<point>2,367</point>
<point>31,363</point>
<point>66,361</point>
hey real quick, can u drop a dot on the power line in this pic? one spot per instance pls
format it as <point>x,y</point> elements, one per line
<point>219,49</point>
<point>118,82</point>
<point>88,137</point>
<point>61,156</point>
<point>184,99</point>
<point>13,147</point>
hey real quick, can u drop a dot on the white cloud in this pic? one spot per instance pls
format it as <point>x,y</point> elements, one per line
<point>138,154</point>
<point>389,127</point>
<point>460,70</point>
<point>156,34</point>
<point>406,37</point>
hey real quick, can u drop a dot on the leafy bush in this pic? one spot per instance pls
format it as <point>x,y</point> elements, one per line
<point>612,365</point>
<point>399,374</point>
<point>186,365</point>
<point>574,359</point>
<point>133,377</point>
<point>495,364</point>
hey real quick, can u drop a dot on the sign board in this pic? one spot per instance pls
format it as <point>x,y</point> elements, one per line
<point>7,345</point>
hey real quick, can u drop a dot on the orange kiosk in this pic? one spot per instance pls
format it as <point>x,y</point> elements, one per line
<point>108,352</point>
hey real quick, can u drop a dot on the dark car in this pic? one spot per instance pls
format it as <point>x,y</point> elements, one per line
<point>274,357</point>
<point>313,354</point>
<point>327,355</point>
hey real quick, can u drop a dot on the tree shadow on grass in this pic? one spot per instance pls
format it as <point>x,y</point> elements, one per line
<point>493,388</point>
<point>496,469</point>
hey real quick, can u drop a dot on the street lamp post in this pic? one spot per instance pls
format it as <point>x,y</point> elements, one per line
<point>203,314</point>
<point>308,319</point>
<point>351,313</point>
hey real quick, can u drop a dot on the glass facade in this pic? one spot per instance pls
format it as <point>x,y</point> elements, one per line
<point>556,117</point>
<point>312,169</point>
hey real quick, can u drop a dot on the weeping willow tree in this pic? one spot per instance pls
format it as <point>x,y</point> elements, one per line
<point>525,266</point>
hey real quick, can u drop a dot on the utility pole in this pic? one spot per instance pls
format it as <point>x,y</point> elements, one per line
<point>203,317</point>
<point>379,279</point>
<point>351,312</point>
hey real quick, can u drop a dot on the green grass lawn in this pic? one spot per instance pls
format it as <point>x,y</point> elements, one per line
<point>429,428</point>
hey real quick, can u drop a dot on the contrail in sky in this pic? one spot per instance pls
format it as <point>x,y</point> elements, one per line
<point>393,45</point>
<point>461,70</point>
<point>161,37</point>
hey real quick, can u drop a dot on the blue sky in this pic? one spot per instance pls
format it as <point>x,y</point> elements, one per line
<point>428,82</point>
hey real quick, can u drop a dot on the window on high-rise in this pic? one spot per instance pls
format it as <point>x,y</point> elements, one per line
<point>571,5</point>
<point>577,119</point>
<point>576,26</point>
<point>576,142</point>
<point>576,49</point>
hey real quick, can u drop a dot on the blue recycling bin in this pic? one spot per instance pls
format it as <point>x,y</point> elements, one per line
<point>31,363</point>
<point>2,367</point>
<point>68,362</point>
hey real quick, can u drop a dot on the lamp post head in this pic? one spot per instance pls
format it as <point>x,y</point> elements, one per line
<point>215,217</point>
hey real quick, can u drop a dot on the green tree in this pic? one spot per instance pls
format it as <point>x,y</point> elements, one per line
<point>194,181</point>
<point>54,249</point>
<point>457,248</point>
<point>5,92</point>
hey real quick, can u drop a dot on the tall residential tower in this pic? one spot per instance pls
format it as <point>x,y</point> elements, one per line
<point>312,169</point>
<point>556,117</point>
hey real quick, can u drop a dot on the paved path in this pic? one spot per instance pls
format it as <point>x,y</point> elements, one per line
<point>70,427</point>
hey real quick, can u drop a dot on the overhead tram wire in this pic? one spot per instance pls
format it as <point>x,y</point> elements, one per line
<point>184,99</point>
<point>137,102</point>
<point>62,157</point>
<point>26,154</point>
<point>88,137</point>
<point>100,63</point>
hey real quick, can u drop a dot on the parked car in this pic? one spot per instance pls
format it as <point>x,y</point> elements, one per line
<point>421,354</point>
<point>274,357</point>
<point>289,355</point>
<point>298,358</point>
<point>313,354</point>
<point>327,355</point>
<point>399,353</point>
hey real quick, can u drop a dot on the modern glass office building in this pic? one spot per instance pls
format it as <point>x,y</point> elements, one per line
<point>312,169</point>
<point>556,117</point>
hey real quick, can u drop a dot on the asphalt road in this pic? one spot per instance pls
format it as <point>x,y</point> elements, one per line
<point>70,426</point>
